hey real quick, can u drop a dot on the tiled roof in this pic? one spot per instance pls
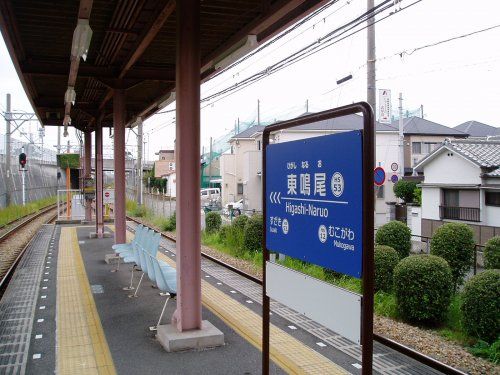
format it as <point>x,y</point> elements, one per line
<point>485,154</point>
<point>495,173</point>
<point>478,129</point>
<point>419,126</point>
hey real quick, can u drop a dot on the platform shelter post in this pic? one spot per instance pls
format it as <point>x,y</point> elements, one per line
<point>119,114</point>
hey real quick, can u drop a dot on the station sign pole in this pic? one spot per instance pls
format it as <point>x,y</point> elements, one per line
<point>347,190</point>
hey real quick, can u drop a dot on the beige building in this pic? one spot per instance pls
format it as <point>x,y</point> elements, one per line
<point>165,163</point>
<point>241,169</point>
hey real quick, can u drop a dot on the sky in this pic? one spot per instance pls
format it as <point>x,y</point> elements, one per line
<point>454,81</point>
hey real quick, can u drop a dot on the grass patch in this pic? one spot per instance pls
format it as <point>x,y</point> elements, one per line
<point>15,211</point>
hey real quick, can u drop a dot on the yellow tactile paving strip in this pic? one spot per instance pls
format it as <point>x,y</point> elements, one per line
<point>286,351</point>
<point>81,346</point>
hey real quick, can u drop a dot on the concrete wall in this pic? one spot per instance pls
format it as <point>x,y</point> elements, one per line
<point>41,181</point>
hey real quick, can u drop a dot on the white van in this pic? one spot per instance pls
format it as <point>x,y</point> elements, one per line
<point>210,195</point>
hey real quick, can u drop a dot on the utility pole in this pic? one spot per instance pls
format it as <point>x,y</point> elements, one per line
<point>23,179</point>
<point>307,105</point>
<point>370,64</point>
<point>7,153</point>
<point>210,164</point>
<point>401,139</point>
<point>258,112</point>
<point>139,162</point>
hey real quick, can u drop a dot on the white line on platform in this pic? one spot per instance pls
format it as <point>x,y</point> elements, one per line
<point>315,200</point>
<point>42,307</point>
<point>40,321</point>
<point>292,327</point>
<point>357,365</point>
<point>321,344</point>
<point>38,337</point>
<point>37,356</point>
<point>43,297</point>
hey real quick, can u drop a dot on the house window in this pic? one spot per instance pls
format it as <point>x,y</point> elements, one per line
<point>379,192</point>
<point>416,147</point>
<point>240,188</point>
<point>492,198</point>
<point>450,197</point>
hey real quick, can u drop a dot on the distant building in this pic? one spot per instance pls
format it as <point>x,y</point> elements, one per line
<point>165,163</point>
<point>421,137</point>
<point>170,188</point>
<point>241,169</point>
<point>477,129</point>
<point>462,184</point>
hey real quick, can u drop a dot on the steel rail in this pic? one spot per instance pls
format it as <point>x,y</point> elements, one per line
<point>403,349</point>
<point>25,222</point>
<point>4,281</point>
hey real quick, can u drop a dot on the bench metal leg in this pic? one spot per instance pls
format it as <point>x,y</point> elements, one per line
<point>138,286</point>
<point>131,286</point>
<point>117,264</point>
<point>155,328</point>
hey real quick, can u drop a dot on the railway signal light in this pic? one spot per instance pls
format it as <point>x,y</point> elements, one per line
<point>22,159</point>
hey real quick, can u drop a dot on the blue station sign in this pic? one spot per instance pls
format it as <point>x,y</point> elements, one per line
<point>314,201</point>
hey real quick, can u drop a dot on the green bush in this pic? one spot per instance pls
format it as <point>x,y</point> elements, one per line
<point>485,350</point>
<point>492,253</point>
<point>169,224</point>
<point>386,258</point>
<point>240,221</point>
<point>454,242</point>
<point>423,288</point>
<point>140,211</point>
<point>417,196</point>
<point>254,234</point>
<point>223,231</point>
<point>213,222</point>
<point>396,235</point>
<point>481,306</point>
<point>404,190</point>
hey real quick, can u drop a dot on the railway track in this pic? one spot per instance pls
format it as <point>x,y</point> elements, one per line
<point>429,361</point>
<point>15,240</point>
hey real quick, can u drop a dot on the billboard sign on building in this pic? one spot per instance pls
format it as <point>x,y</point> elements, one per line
<point>385,109</point>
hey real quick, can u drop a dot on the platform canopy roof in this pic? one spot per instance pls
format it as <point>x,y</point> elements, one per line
<point>133,46</point>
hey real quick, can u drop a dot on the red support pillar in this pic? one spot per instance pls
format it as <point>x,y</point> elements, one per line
<point>188,313</point>
<point>87,171</point>
<point>99,181</point>
<point>119,156</point>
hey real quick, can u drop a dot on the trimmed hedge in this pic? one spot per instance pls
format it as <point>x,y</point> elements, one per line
<point>492,253</point>
<point>454,242</point>
<point>481,306</point>
<point>254,234</point>
<point>396,235</point>
<point>240,221</point>
<point>386,258</point>
<point>223,231</point>
<point>213,222</point>
<point>423,288</point>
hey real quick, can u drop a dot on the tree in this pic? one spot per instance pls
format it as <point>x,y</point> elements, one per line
<point>405,190</point>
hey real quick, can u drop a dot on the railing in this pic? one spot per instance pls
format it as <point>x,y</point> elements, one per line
<point>459,213</point>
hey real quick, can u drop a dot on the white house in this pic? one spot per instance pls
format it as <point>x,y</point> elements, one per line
<point>462,184</point>
<point>241,168</point>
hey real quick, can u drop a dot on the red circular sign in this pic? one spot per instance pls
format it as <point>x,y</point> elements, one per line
<point>106,194</point>
<point>379,176</point>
